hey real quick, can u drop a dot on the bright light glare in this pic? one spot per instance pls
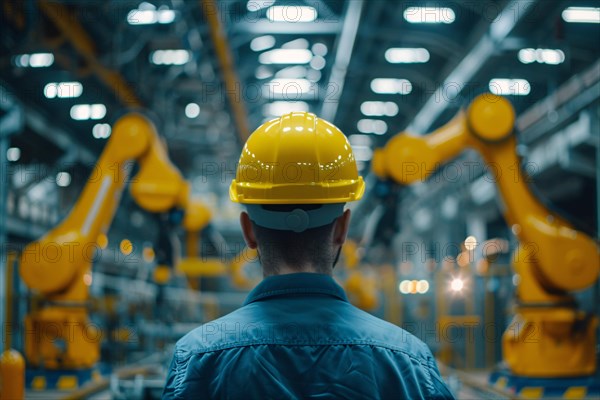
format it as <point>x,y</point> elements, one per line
<point>515,87</point>
<point>375,126</point>
<point>313,75</point>
<point>126,247</point>
<point>470,243</point>
<point>589,15</point>
<point>63,179</point>
<point>101,131</point>
<point>13,154</point>
<point>286,56</point>
<point>391,86</point>
<point>379,108</point>
<point>82,112</point>
<point>429,15</point>
<point>413,286</point>
<point>166,16</point>
<point>262,43</point>
<point>457,285</point>
<point>147,14</point>
<point>257,5</point>
<point>398,55</point>
<point>291,13</point>
<point>360,140</point>
<point>35,60</point>
<point>317,63</point>
<point>88,278</point>
<point>263,72</point>
<point>319,49</point>
<point>97,111</point>
<point>404,286</point>
<point>300,43</point>
<point>63,90</point>
<point>148,254</point>
<point>362,153</point>
<point>170,57</point>
<point>422,286</point>
<point>295,72</point>
<point>278,108</point>
<point>192,110</point>
<point>542,56</point>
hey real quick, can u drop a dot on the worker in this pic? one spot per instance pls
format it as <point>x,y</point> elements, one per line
<point>297,336</point>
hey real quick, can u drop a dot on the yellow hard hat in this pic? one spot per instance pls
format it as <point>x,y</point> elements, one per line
<point>297,159</point>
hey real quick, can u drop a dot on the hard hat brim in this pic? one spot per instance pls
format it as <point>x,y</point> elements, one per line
<point>317,193</point>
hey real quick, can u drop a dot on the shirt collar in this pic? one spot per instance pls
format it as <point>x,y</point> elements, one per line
<point>299,283</point>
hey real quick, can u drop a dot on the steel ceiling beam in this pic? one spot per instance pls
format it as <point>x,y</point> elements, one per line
<point>343,54</point>
<point>71,29</point>
<point>471,63</point>
<point>233,86</point>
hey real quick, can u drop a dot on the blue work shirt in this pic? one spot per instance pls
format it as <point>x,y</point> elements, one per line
<point>298,337</point>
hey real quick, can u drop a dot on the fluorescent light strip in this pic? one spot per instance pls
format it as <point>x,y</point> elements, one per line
<point>514,87</point>
<point>82,112</point>
<point>429,15</point>
<point>101,131</point>
<point>379,108</point>
<point>391,86</point>
<point>263,72</point>
<point>170,57</point>
<point>542,56</point>
<point>294,72</point>
<point>286,56</point>
<point>586,15</point>
<point>362,153</point>
<point>300,43</point>
<point>257,5</point>
<point>262,43</point>
<point>292,13</point>
<point>63,90</point>
<point>360,140</point>
<point>149,16</point>
<point>35,60</point>
<point>399,55</point>
<point>375,126</point>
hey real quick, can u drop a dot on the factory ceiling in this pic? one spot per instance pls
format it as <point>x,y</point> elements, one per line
<point>210,72</point>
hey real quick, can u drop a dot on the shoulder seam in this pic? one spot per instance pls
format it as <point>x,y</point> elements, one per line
<point>421,360</point>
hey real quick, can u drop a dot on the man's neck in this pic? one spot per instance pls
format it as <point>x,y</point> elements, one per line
<point>286,269</point>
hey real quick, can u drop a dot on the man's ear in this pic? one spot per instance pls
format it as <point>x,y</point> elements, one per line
<point>248,231</point>
<point>340,229</point>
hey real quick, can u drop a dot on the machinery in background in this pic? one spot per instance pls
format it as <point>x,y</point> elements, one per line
<point>362,288</point>
<point>59,335</point>
<point>549,337</point>
<point>192,265</point>
<point>195,266</point>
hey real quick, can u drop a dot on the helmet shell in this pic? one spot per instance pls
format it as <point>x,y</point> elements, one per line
<point>297,159</point>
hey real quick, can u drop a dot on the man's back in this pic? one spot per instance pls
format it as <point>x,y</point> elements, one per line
<point>298,337</point>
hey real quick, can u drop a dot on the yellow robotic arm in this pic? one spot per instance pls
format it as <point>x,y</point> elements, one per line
<point>193,265</point>
<point>552,259</point>
<point>58,265</point>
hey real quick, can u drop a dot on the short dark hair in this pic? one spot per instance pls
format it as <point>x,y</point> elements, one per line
<point>295,249</point>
